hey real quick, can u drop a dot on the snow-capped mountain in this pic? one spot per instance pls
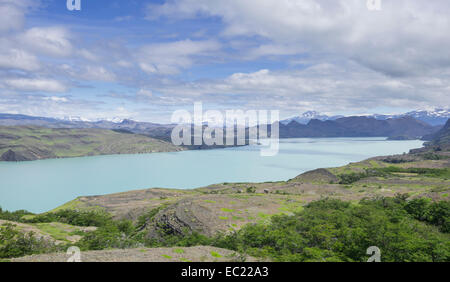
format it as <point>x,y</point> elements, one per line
<point>75,119</point>
<point>113,120</point>
<point>307,116</point>
<point>435,117</point>
<point>82,119</point>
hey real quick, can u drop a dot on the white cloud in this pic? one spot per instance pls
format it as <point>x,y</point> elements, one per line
<point>144,93</point>
<point>13,13</point>
<point>18,59</point>
<point>170,58</point>
<point>32,85</point>
<point>98,73</point>
<point>405,38</point>
<point>52,41</point>
<point>88,55</point>
<point>56,99</point>
<point>324,87</point>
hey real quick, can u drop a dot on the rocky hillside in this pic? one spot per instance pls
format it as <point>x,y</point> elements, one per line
<point>26,143</point>
<point>442,137</point>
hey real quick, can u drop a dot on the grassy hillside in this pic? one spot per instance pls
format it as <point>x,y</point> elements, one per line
<point>26,143</point>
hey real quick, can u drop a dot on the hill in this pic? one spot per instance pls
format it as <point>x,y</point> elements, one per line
<point>311,124</point>
<point>26,143</point>
<point>404,127</point>
<point>436,117</point>
<point>442,137</point>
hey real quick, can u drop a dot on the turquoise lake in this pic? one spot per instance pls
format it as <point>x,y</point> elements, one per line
<point>39,186</point>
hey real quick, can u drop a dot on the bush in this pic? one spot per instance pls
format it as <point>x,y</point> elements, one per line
<point>251,190</point>
<point>118,235</point>
<point>332,230</point>
<point>14,243</point>
<point>13,216</point>
<point>73,217</point>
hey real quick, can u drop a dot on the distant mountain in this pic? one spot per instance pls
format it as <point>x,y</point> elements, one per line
<point>441,139</point>
<point>77,122</point>
<point>397,128</point>
<point>404,127</point>
<point>436,117</point>
<point>307,116</point>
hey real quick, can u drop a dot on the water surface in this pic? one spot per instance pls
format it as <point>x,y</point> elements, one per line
<point>42,185</point>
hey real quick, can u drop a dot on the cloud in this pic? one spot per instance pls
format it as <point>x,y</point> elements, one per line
<point>324,87</point>
<point>170,58</point>
<point>292,55</point>
<point>144,93</point>
<point>33,85</point>
<point>56,99</point>
<point>405,38</point>
<point>98,73</point>
<point>50,106</point>
<point>13,14</point>
<point>18,59</point>
<point>52,41</point>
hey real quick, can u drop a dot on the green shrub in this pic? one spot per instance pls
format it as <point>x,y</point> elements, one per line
<point>14,243</point>
<point>13,216</point>
<point>73,217</point>
<point>332,230</point>
<point>251,190</point>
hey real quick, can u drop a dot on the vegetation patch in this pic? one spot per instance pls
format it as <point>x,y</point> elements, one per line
<point>215,254</point>
<point>226,210</point>
<point>178,251</point>
<point>333,230</point>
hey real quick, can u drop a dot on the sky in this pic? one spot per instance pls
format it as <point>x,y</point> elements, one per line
<point>145,59</point>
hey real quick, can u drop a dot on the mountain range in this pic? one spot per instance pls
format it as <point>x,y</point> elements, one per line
<point>434,117</point>
<point>394,128</point>
<point>404,126</point>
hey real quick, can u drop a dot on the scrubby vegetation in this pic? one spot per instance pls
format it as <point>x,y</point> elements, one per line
<point>349,178</point>
<point>325,230</point>
<point>14,243</point>
<point>73,217</point>
<point>437,214</point>
<point>332,230</point>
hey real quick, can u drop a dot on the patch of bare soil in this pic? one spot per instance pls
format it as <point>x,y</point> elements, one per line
<point>191,254</point>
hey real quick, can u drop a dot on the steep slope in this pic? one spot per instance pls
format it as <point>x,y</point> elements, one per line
<point>442,138</point>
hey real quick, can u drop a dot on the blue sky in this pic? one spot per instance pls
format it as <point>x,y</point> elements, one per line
<point>145,59</point>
